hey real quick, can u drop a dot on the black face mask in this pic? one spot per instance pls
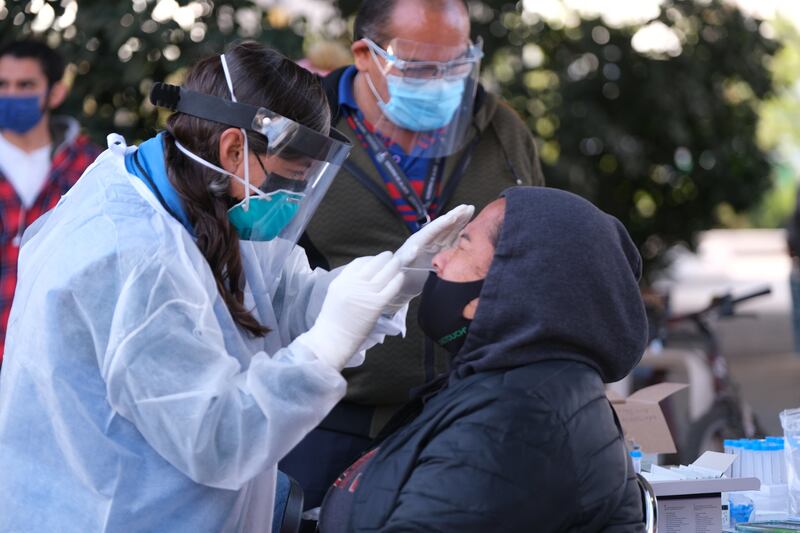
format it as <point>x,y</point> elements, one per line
<point>441,311</point>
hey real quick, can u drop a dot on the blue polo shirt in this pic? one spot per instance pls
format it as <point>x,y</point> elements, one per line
<point>415,167</point>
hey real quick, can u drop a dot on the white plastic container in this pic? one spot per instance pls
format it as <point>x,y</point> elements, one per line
<point>790,420</point>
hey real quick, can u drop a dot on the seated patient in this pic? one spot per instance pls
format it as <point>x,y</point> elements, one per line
<point>539,304</point>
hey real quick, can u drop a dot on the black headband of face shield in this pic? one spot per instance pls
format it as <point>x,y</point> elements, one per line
<point>239,115</point>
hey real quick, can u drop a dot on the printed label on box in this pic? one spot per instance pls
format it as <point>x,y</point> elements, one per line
<point>687,515</point>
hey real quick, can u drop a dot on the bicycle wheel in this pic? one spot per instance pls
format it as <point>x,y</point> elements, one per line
<point>722,421</point>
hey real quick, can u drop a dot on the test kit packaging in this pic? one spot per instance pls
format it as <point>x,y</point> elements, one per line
<point>693,498</point>
<point>642,419</point>
<point>696,505</point>
<point>690,515</point>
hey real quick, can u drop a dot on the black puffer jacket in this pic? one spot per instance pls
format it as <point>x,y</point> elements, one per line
<point>521,437</point>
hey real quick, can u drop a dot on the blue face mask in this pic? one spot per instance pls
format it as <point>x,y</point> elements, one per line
<point>258,217</point>
<point>19,113</point>
<point>421,106</point>
<point>266,216</point>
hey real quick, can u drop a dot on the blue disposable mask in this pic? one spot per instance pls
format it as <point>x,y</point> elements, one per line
<point>266,215</point>
<point>419,106</point>
<point>260,216</point>
<point>20,113</point>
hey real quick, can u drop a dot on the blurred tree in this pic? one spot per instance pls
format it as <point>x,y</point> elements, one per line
<point>662,139</point>
<point>780,124</point>
<point>779,130</point>
<point>118,49</point>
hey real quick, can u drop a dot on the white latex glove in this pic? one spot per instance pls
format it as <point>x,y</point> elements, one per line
<point>417,253</point>
<point>352,306</point>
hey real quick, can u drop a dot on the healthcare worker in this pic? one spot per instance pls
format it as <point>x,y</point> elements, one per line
<point>168,343</point>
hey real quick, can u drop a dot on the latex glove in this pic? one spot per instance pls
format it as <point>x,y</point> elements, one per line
<point>417,253</point>
<point>419,249</point>
<point>352,306</point>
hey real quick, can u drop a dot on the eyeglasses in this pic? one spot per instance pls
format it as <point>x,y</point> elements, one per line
<point>456,69</point>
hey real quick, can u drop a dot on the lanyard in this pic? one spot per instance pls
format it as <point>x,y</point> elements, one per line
<point>390,169</point>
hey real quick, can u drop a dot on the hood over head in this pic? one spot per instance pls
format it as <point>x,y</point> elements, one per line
<point>563,284</point>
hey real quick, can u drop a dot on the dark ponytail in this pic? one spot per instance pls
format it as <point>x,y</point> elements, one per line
<point>261,77</point>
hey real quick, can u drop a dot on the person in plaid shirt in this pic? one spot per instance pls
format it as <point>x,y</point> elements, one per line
<point>41,156</point>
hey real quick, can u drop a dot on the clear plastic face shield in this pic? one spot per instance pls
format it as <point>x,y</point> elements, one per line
<point>295,172</point>
<point>427,92</point>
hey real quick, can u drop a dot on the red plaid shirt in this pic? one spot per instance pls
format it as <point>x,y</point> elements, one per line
<point>67,166</point>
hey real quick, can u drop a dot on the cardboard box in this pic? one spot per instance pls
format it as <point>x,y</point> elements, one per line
<point>642,419</point>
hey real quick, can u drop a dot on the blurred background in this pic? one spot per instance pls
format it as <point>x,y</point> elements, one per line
<point>679,117</point>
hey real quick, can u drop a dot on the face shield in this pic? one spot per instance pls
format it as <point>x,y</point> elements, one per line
<point>296,171</point>
<point>427,91</point>
<point>298,167</point>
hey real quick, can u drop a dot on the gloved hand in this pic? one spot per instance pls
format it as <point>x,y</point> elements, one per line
<point>417,253</point>
<point>352,306</point>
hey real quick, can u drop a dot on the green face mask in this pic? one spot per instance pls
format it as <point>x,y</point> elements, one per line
<point>266,216</point>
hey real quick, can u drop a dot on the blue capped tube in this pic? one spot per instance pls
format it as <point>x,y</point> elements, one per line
<point>636,459</point>
<point>777,446</point>
<point>748,458</point>
<point>736,449</point>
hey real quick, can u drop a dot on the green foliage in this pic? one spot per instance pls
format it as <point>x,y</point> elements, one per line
<point>776,206</point>
<point>118,49</point>
<point>663,142</point>
<point>779,130</point>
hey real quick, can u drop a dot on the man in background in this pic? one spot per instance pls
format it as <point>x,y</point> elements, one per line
<point>426,137</point>
<point>41,156</point>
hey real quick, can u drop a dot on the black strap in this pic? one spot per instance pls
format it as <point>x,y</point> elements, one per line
<point>153,187</point>
<point>447,193</point>
<point>203,106</point>
<point>315,257</point>
<point>391,171</point>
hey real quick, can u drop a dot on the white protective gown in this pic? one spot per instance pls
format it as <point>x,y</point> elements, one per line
<point>129,399</point>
